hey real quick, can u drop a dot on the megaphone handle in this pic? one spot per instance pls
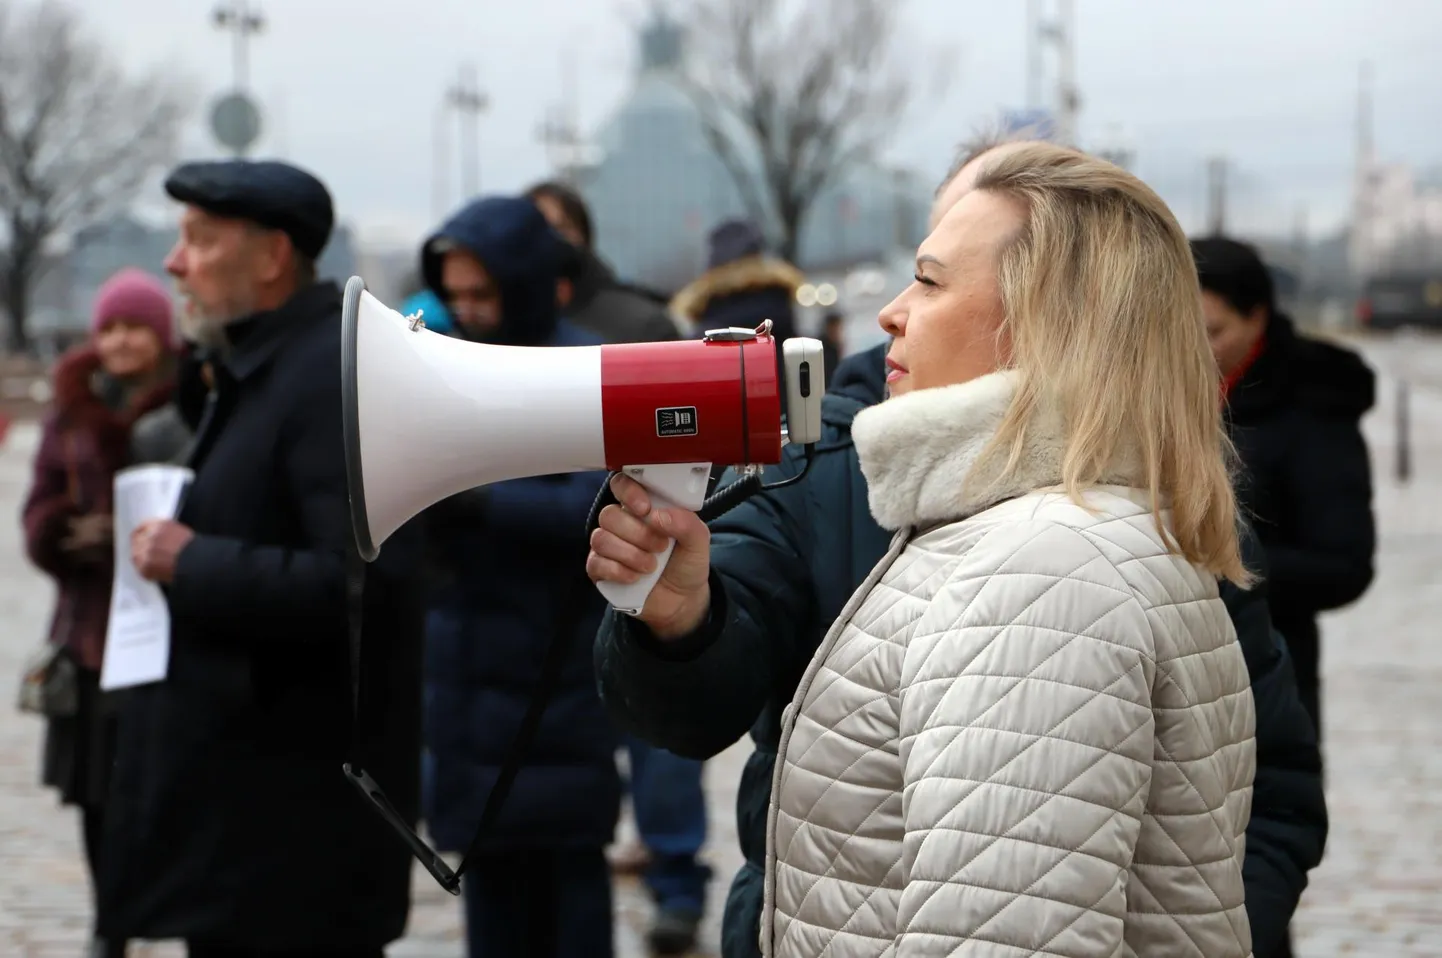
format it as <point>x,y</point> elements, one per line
<point>671,486</point>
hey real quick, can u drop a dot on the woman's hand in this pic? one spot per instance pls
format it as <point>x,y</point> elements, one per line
<point>88,533</point>
<point>624,548</point>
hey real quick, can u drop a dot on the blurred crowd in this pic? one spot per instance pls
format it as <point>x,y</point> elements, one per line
<point>213,804</point>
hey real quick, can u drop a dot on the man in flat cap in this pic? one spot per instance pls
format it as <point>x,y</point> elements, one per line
<point>235,827</point>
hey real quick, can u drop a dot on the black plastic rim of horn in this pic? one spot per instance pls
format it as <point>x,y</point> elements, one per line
<point>350,416</point>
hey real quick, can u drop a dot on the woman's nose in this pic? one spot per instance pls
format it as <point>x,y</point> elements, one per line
<point>892,317</point>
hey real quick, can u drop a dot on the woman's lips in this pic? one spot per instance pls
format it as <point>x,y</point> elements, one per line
<point>894,370</point>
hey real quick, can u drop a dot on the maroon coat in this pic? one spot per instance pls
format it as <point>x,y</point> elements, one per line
<point>85,441</point>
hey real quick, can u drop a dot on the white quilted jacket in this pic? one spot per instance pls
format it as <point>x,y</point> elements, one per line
<point>1030,731</point>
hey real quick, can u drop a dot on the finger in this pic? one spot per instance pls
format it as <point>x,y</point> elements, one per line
<point>628,528</point>
<point>601,569</point>
<point>682,525</point>
<point>631,494</point>
<point>607,545</point>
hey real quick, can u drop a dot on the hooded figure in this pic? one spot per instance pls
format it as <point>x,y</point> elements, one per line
<point>742,285</point>
<point>512,556</point>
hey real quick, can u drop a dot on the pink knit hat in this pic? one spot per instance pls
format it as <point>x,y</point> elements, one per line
<point>134,296</point>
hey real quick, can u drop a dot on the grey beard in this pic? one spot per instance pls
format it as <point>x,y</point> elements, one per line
<point>211,336</point>
<point>209,331</point>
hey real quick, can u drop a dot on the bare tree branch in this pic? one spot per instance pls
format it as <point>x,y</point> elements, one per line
<point>78,139</point>
<point>807,87</point>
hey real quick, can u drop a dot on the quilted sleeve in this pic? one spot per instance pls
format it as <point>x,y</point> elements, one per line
<point>1026,744</point>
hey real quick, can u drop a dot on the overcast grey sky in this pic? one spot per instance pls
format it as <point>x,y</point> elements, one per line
<point>350,87</point>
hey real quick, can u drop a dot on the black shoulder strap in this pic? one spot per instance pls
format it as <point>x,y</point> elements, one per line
<point>563,638</point>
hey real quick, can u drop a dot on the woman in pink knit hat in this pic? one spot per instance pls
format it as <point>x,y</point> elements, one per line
<point>101,387</point>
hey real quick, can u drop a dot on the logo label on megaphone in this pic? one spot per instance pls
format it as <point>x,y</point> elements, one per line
<point>676,421</point>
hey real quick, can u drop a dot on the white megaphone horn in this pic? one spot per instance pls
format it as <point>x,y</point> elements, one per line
<point>428,416</point>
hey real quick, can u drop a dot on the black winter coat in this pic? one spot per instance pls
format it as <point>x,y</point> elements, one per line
<point>231,819</point>
<point>616,313</point>
<point>1295,418</point>
<point>783,565</point>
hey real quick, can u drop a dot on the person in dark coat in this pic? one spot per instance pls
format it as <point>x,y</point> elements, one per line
<point>594,299</point>
<point>782,566</point>
<point>232,824</point>
<point>512,552</point>
<point>833,341</point>
<point>101,389</point>
<point>1294,408</point>
<point>667,796</point>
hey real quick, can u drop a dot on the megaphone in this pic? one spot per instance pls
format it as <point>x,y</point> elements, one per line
<point>428,416</point>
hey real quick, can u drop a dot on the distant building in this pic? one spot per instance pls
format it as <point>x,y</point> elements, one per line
<point>1397,225</point>
<point>659,186</point>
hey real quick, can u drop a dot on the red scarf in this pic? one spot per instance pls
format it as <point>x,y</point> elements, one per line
<point>1230,380</point>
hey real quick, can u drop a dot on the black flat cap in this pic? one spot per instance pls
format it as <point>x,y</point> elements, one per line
<point>266,192</point>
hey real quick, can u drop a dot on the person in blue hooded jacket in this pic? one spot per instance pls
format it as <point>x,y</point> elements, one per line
<point>511,553</point>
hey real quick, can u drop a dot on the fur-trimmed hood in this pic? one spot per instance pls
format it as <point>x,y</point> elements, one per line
<point>918,451</point>
<point>738,276</point>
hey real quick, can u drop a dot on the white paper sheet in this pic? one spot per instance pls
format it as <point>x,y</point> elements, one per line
<point>137,642</point>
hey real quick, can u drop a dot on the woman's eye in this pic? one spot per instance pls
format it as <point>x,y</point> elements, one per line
<point>923,280</point>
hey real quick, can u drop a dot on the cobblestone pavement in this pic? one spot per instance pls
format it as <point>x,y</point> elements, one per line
<point>1378,893</point>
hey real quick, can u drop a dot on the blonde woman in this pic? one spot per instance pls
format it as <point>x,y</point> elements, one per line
<point>1030,731</point>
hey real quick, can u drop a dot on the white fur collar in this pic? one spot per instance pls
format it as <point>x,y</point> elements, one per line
<point>917,452</point>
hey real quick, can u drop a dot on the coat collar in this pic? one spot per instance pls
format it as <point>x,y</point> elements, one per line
<point>256,339</point>
<point>918,453</point>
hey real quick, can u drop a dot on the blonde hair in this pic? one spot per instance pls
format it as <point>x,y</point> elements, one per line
<point>1103,315</point>
<point>981,142</point>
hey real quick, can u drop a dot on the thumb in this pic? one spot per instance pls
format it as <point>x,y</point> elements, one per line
<point>686,527</point>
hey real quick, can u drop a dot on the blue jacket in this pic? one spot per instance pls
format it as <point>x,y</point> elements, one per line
<point>515,553</point>
<point>782,566</point>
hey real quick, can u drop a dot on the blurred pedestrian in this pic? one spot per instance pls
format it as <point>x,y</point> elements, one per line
<point>667,797</point>
<point>510,553</point>
<point>232,825</point>
<point>593,298</point>
<point>1294,405</point>
<point>1294,409</point>
<point>833,341</point>
<point>743,285</point>
<point>101,388</point>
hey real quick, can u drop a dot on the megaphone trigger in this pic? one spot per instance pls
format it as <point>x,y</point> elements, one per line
<point>670,485</point>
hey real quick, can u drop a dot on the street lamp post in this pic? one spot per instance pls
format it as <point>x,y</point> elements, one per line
<point>235,120</point>
<point>244,21</point>
<point>466,98</point>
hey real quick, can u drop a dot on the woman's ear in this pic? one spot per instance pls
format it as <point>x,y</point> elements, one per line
<point>564,292</point>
